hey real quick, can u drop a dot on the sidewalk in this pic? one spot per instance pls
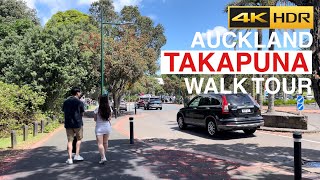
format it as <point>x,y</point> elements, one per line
<point>311,111</point>
<point>143,160</point>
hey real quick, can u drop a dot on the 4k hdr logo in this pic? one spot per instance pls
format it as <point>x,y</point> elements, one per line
<point>272,17</point>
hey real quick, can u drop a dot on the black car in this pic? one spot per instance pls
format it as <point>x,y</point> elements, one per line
<point>153,103</point>
<point>221,112</point>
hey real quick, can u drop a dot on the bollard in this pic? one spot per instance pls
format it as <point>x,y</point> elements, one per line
<point>135,109</point>
<point>48,121</point>
<point>115,113</point>
<point>131,130</point>
<point>42,126</point>
<point>297,156</point>
<point>13,139</point>
<point>25,132</point>
<point>35,129</point>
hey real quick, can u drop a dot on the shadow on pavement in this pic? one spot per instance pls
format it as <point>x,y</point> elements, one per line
<point>143,161</point>
<point>225,135</point>
<point>49,163</point>
<point>279,157</point>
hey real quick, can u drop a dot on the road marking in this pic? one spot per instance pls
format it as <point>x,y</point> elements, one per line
<point>288,137</point>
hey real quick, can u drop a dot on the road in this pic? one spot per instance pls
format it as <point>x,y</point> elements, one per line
<point>160,127</point>
<point>168,153</point>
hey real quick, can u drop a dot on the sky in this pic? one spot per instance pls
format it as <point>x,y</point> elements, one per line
<point>180,18</point>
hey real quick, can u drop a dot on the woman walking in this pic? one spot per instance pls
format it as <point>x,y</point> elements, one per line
<point>102,116</point>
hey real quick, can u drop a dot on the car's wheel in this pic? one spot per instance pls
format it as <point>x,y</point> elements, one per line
<point>249,131</point>
<point>181,123</point>
<point>160,108</point>
<point>211,128</point>
<point>145,108</point>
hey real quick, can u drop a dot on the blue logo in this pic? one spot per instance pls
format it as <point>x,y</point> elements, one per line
<point>300,99</point>
<point>300,103</point>
<point>300,107</point>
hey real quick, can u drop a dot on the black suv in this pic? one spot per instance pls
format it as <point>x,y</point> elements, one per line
<point>218,112</point>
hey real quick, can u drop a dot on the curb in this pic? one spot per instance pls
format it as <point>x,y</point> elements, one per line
<point>272,129</point>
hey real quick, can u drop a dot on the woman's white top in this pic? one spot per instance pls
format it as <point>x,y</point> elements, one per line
<point>102,126</point>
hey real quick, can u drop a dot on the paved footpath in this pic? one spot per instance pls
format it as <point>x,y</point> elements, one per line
<point>138,161</point>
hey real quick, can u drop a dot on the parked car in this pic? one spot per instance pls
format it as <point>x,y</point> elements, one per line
<point>153,103</point>
<point>142,101</point>
<point>221,112</point>
<point>123,105</point>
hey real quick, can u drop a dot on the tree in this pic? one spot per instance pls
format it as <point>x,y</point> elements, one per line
<point>86,30</point>
<point>315,47</point>
<point>16,19</point>
<point>132,50</point>
<point>72,17</point>
<point>11,10</point>
<point>51,62</point>
<point>108,11</point>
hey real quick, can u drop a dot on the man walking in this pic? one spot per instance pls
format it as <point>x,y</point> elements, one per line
<point>73,110</point>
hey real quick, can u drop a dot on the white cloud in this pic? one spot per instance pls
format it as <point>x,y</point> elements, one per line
<point>62,5</point>
<point>44,20</point>
<point>119,4</point>
<point>213,32</point>
<point>152,16</point>
<point>53,5</point>
<point>86,2</point>
<point>31,3</point>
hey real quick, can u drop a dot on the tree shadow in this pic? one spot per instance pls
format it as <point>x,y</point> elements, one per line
<point>49,163</point>
<point>150,161</point>
<point>278,157</point>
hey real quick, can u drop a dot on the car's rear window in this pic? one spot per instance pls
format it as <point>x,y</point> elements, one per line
<point>154,99</point>
<point>239,99</point>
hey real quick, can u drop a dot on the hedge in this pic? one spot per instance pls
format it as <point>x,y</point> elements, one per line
<point>279,102</point>
<point>18,106</point>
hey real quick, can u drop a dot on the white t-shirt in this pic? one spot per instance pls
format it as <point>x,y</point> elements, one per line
<point>102,126</point>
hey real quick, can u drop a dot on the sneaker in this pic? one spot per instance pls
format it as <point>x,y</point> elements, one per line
<point>102,161</point>
<point>78,158</point>
<point>69,161</point>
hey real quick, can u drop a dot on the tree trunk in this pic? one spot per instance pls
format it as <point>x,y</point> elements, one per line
<point>271,96</point>
<point>316,43</point>
<point>316,51</point>
<point>261,93</point>
<point>252,88</point>
<point>114,97</point>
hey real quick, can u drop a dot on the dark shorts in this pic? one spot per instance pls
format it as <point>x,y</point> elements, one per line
<point>71,132</point>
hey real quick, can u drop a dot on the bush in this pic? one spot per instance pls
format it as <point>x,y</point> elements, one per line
<point>18,105</point>
<point>279,102</point>
<point>131,98</point>
<point>51,126</point>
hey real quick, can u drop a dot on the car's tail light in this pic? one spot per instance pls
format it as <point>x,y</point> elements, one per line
<point>225,106</point>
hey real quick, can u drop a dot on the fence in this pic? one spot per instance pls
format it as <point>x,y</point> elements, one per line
<point>35,127</point>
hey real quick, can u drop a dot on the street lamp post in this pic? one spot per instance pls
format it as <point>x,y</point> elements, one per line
<point>102,53</point>
<point>102,45</point>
